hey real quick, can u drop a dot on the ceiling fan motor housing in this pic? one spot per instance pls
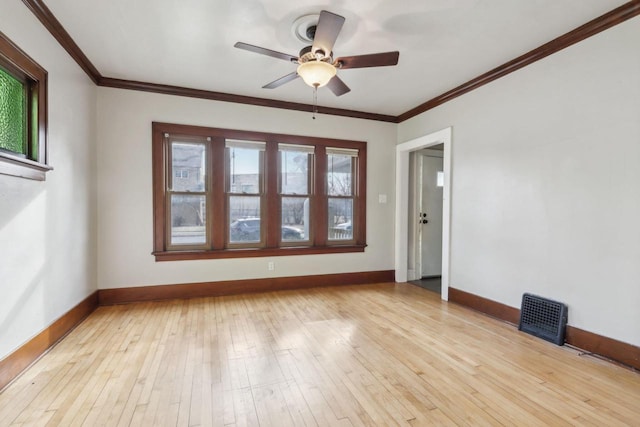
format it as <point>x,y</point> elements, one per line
<point>311,32</point>
<point>306,55</point>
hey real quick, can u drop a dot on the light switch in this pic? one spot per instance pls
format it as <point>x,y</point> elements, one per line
<point>382,198</point>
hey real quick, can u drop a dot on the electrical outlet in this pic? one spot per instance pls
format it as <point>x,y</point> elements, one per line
<point>271,266</point>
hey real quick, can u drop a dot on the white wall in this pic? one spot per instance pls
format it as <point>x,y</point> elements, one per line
<point>546,183</point>
<point>125,227</point>
<point>47,230</point>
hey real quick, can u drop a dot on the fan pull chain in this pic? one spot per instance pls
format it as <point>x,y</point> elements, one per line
<point>315,101</point>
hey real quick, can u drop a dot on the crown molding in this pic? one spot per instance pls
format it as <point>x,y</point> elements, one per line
<point>608,20</point>
<point>239,99</point>
<point>51,23</point>
<point>595,26</point>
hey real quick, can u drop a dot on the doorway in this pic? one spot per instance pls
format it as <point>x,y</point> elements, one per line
<point>428,213</point>
<point>425,217</point>
<point>405,216</point>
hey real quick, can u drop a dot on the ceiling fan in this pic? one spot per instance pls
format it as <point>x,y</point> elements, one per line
<point>316,64</point>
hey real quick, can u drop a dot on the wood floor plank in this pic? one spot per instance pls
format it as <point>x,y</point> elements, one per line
<point>386,354</point>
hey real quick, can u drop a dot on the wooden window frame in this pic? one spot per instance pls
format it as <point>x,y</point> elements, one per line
<point>22,67</point>
<point>218,247</point>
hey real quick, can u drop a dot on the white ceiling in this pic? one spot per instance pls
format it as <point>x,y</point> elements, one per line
<point>442,43</point>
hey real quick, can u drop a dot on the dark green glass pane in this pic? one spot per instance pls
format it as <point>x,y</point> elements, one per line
<point>12,113</point>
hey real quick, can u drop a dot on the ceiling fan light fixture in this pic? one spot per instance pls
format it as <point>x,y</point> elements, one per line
<point>316,64</point>
<point>316,73</point>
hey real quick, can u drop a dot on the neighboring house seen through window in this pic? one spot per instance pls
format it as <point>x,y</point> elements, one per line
<point>23,113</point>
<point>223,193</point>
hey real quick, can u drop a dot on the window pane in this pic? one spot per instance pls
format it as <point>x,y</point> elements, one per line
<point>340,219</point>
<point>12,114</point>
<point>294,172</point>
<point>295,218</point>
<point>188,166</point>
<point>244,170</point>
<point>339,179</point>
<point>244,219</point>
<point>188,217</point>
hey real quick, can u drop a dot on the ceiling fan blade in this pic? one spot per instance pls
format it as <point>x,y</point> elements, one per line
<point>337,86</point>
<point>327,30</point>
<point>282,80</point>
<point>372,60</point>
<point>268,52</point>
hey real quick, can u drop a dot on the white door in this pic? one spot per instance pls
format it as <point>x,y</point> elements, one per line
<point>430,228</point>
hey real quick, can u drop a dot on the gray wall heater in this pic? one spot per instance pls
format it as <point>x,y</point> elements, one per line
<point>543,318</point>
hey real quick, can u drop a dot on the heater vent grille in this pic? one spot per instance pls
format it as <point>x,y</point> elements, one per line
<point>543,318</point>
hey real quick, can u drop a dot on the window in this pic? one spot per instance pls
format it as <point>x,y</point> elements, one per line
<point>222,193</point>
<point>23,113</point>
<point>245,192</point>
<point>294,191</point>
<point>340,171</point>
<point>186,195</point>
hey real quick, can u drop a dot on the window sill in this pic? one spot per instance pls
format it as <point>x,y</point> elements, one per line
<point>23,168</point>
<point>253,253</point>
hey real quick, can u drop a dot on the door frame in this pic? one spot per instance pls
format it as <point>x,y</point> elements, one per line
<point>413,216</point>
<point>402,204</point>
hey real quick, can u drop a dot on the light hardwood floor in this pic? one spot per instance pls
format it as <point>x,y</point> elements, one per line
<point>361,355</point>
